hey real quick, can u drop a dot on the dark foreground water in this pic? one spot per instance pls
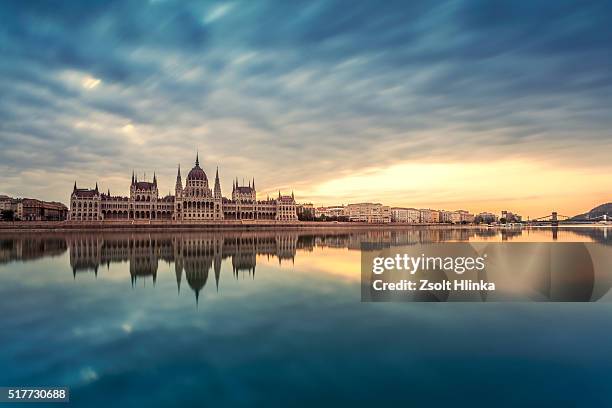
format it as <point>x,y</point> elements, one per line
<point>266,319</point>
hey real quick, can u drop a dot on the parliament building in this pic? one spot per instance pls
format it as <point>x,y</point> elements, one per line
<point>192,202</point>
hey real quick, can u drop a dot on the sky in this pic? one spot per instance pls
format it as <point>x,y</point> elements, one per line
<point>473,105</point>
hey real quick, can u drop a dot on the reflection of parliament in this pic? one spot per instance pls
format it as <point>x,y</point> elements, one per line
<point>193,255</point>
<point>192,203</point>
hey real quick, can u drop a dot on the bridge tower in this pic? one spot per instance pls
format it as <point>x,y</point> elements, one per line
<point>554,219</point>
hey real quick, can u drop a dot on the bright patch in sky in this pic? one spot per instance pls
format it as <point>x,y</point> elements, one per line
<point>90,82</point>
<point>218,12</point>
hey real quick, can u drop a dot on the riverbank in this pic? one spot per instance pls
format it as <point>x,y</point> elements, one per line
<point>33,226</point>
<point>243,225</point>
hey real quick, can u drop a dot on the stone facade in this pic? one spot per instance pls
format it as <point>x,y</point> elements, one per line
<point>405,215</point>
<point>196,201</point>
<point>462,217</point>
<point>331,212</point>
<point>368,212</point>
<point>193,201</point>
<point>31,209</point>
<point>429,216</point>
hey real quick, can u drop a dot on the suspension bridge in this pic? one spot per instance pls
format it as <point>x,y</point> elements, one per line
<point>555,219</point>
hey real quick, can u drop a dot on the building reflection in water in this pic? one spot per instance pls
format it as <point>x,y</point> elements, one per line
<point>195,255</point>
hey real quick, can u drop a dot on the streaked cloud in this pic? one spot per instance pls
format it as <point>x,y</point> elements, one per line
<point>303,94</point>
<point>217,12</point>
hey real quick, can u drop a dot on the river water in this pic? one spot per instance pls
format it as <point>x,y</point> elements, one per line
<point>271,318</point>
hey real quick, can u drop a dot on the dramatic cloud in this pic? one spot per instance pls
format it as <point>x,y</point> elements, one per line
<point>302,94</point>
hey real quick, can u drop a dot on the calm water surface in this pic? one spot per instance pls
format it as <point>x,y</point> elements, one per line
<point>271,318</point>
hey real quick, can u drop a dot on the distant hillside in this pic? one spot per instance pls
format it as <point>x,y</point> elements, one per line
<point>596,212</point>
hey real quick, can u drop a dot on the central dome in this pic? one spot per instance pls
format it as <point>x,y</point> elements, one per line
<point>197,173</point>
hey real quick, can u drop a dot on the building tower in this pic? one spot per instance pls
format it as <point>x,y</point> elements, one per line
<point>178,195</point>
<point>217,192</point>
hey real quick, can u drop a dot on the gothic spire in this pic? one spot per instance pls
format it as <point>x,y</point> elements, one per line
<point>75,187</point>
<point>132,176</point>
<point>253,183</point>
<point>217,185</point>
<point>154,178</point>
<point>197,163</point>
<point>96,186</point>
<point>179,182</point>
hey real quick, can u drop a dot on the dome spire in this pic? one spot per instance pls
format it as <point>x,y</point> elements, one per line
<point>197,163</point>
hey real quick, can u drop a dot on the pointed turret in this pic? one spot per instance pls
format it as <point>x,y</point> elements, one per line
<point>108,192</point>
<point>217,185</point>
<point>96,187</point>
<point>75,187</point>
<point>179,182</point>
<point>253,183</point>
<point>279,196</point>
<point>154,179</point>
<point>133,179</point>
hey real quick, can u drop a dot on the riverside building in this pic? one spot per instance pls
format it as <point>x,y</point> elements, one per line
<point>368,212</point>
<point>193,201</point>
<point>31,209</point>
<point>405,215</point>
